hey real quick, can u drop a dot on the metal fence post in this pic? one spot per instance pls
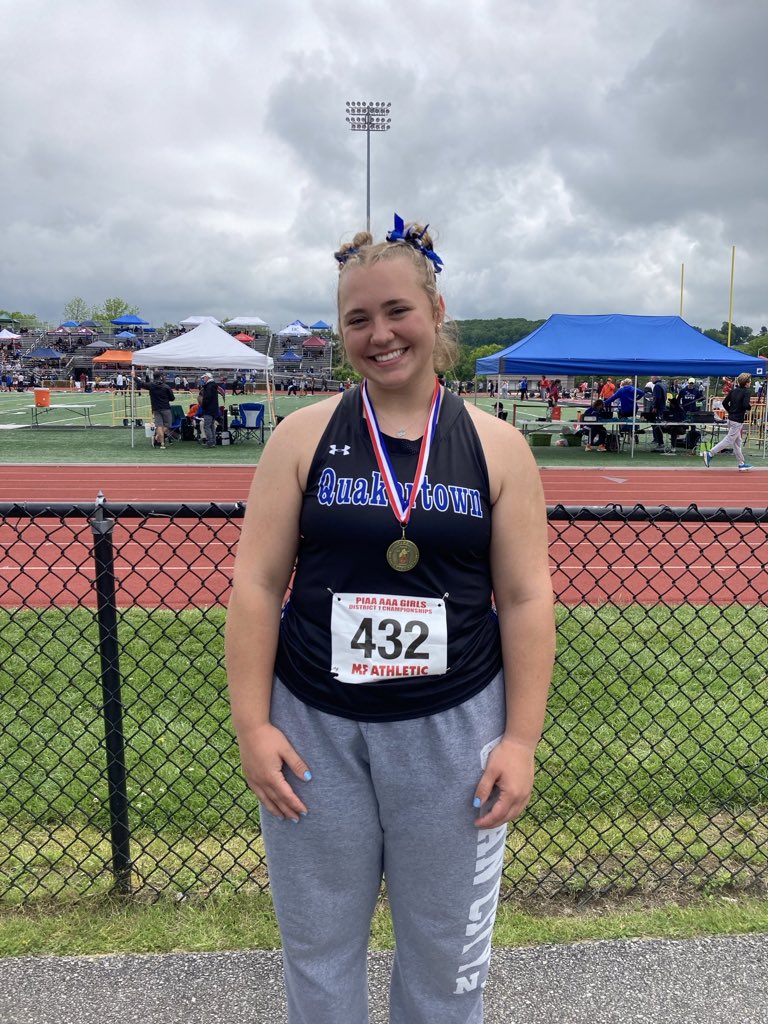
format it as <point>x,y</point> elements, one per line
<point>103,552</point>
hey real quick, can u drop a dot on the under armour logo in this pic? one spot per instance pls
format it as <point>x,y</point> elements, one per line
<point>333,450</point>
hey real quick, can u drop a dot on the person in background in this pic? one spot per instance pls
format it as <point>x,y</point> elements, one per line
<point>691,395</point>
<point>607,390</point>
<point>388,714</point>
<point>626,399</point>
<point>160,398</point>
<point>596,432</point>
<point>657,410</point>
<point>737,403</point>
<point>672,416</point>
<point>499,410</point>
<point>554,394</point>
<point>208,402</point>
<point>727,385</point>
<point>647,399</point>
<point>523,389</point>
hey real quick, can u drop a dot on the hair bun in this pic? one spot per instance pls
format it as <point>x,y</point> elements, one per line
<point>421,233</point>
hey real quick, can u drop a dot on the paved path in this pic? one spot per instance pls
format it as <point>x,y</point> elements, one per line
<point>704,981</point>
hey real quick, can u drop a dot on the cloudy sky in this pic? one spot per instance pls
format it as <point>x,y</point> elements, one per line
<point>192,156</point>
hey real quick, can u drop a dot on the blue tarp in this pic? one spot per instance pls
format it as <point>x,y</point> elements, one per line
<point>289,357</point>
<point>633,345</point>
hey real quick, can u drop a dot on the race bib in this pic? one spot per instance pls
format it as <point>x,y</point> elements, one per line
<point>383,638</point>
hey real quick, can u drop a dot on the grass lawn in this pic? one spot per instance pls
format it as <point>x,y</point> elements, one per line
<point>248,922</point>
<point>652,755</point>
<point>69,442</point>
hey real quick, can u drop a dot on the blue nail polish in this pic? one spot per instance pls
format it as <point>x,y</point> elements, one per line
<point>307,776</point>
<point>476,802</point>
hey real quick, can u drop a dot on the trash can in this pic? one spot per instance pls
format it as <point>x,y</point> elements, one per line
<point>42,397</point>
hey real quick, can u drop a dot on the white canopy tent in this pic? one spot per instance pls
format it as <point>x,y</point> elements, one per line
<point>206,347</point>
<point>294,331</point>
<point>246,321</point>
<point>6,335</point>
<point>195,321</point>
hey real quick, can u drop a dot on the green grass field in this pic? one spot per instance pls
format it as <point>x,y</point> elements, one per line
<point>653,754</point>
<point>653,760</point>
<point>64,439</point>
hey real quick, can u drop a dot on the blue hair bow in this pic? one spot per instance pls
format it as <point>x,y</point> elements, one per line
<point>342,257</point>
<point>414,238</point>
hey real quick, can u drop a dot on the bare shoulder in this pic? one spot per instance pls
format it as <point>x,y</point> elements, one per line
<point>506,451</point>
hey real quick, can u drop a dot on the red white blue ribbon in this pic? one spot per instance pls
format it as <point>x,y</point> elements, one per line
<point>402,509</point>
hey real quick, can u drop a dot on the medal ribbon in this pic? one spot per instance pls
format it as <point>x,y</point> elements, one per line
<point>402,511</point>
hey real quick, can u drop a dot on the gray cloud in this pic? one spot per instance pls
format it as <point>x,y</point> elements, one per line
<point>193,157</point>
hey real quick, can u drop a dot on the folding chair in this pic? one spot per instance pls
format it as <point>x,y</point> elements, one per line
<point>248,422</point>
<point>177,418</point>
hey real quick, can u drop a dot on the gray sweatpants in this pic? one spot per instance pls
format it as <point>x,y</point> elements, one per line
<point>392,798</point>
<point>731,440</point>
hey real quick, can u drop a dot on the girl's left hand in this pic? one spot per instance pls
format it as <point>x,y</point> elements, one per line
<point>508,778</point>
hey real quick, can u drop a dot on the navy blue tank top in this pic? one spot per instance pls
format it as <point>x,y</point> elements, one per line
<point>360,639</point>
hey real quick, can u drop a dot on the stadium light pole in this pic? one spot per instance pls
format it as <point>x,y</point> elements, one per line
<point>368,117</point>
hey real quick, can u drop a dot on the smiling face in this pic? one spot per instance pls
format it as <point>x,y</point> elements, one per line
<point>388,323</point>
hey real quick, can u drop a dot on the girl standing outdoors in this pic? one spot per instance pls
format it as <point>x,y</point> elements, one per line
<point>736,403</point>
<point>388,715</point>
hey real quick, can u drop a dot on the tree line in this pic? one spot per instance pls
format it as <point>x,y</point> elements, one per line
<point>477,338</point>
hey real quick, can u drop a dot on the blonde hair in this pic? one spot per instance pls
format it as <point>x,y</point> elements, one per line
<point>744,380</point>
<point>363,252</point>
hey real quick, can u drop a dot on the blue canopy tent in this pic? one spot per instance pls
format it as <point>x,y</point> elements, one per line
<point>289,356</point>
<point>321,325</point>
<point>44,352</point>
<point>636,346</point>
<point>129,320</point>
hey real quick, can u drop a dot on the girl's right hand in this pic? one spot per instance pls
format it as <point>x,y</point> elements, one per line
<point>263,752</point>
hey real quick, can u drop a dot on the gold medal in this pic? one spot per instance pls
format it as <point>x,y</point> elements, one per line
<point>402,555</point>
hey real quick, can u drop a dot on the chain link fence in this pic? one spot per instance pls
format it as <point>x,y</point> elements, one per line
<point>120,769</point>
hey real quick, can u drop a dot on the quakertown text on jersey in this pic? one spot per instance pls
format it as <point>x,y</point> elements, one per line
<point>360,490</point>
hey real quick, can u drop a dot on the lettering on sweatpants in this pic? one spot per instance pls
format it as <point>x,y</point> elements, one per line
<point>489,859</point>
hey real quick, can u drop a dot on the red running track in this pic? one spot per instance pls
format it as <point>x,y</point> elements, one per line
<point>190,563</point>
<point>679,485</point>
